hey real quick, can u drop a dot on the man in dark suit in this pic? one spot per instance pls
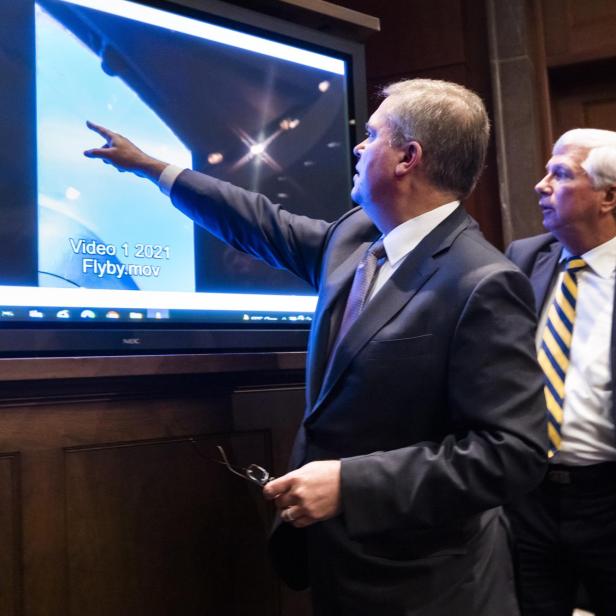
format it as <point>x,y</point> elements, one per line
<point>566,528</point>
<point>425,410</point>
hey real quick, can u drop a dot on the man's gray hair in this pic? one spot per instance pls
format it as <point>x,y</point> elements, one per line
<point>600,162</point>
<point>451,124</point>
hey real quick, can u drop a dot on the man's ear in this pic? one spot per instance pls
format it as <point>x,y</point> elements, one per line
<point>609,200</point>
<point>411,156</point>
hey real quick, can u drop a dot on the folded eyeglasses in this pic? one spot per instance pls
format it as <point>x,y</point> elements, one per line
<point>253,473</point>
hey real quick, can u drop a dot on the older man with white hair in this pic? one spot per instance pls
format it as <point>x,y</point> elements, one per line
<point>566,528</point>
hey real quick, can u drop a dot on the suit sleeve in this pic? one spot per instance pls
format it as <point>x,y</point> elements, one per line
<point>251,223</point>
<point>518,256</point>
<point>510,252</point>
<point>496,450</point>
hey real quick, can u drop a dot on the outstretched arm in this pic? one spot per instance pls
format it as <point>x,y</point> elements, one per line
<point>245,220</point>
<point>124,155</point>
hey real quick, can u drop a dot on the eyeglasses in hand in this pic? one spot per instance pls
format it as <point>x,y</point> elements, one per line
<point>253,473</point>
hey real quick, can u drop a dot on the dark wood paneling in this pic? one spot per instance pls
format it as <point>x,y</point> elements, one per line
<point>584,96</point>
<point>578,31</point>
<point>320,15</point>
<point>52,368</point>
<point>121,515</point>
<point>44,582</point>
<point>10,536</point>
<point>483,204</point>
<point>154,529</point>
<point>250,407</point>
<point>415,35</point>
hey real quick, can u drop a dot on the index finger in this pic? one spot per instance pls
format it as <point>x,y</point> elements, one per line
<point>101,130</point>
<point>276,487</point>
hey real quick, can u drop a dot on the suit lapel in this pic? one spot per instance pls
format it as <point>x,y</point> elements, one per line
<point>543,273</point>
<point>388,301</point>
<point>406,281</point>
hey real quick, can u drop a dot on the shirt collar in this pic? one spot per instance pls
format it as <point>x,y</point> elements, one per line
<point>401,240</point>
<point>601,259</point>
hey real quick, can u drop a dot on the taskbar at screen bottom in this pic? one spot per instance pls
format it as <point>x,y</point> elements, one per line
<point>38,315</point>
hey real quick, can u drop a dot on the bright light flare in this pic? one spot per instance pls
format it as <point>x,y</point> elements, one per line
<point>257,149</point>
<point>215,158</point>
<point>72,194</point>
<point>289,123</point>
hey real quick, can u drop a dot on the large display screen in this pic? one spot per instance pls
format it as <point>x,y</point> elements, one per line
<point>83,246</point>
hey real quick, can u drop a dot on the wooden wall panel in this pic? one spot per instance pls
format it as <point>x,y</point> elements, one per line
<point>581,110</point>
<point>123,516</point>
<point>250,404</point>
<point>601,113</point>
<point>578,31</point>
<point>10,536</point>
<point>44,574</point>
<point>154,529</point>
<point>584,96</point>
<point>415,35</point>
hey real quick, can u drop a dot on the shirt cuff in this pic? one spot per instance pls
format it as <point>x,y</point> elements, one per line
<point>168,177</point>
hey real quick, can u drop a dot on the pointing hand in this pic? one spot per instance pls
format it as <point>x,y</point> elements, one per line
<point>124,155</point>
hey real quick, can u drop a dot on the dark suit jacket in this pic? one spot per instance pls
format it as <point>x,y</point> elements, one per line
<point>434,403</point>
<point>538,258</point>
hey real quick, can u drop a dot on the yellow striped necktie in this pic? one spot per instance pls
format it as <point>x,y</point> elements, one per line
<point>556,347</point>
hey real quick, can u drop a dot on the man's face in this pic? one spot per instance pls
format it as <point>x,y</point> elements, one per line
<point>568,201</point>
<point>377,159</point>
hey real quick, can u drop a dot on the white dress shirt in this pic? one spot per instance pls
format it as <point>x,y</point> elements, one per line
<point>588,433</point>
<point>168,177</point>
<point>405,237</point>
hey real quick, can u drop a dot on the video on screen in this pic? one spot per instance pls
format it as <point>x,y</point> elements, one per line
<point>270,118</point>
